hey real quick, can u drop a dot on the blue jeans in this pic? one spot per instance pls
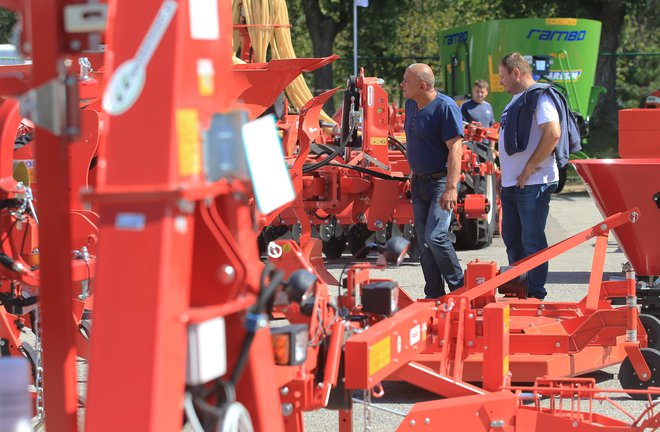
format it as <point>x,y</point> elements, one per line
<point>524,214</point>
<point>438,259</point>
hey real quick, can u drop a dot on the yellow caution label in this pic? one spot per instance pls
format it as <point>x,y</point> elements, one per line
<point>505,365</point>
<point>505,318</point>
<point>286,248</point>
<point>494,77</point>
<point>378,141</point>
<point>561,21</point>
<point>205,77</point>
<point>187,129</point>
<point>380,355</point>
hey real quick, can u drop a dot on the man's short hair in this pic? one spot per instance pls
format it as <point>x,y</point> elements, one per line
<point>481,84</point>
<point>516,60</point>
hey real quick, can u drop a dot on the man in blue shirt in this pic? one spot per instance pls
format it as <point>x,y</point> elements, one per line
<point>434,137</point>
<point>477,109</point>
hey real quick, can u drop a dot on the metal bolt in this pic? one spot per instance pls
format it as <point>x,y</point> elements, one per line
<point>412,422</point>
<point>379,224</point>
<point>470,343</point>
<point>557,344</point>
<point>603,227</point>
<point>645,375</point>
<point>471,316</point>
<point>574,424</point>
<point>226,274</point>
<point>2,343</point>
<point>287,409</point>
<point>361,217</point>
<point>427,420</point>
<point>284,391</point>
<point>497,423</point>
<point>75,45</point>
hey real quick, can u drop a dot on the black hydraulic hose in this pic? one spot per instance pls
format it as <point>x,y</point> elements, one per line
<point>346,134</point>
<point>399,145</point>
<point>265,293</point>
<point>373,173</point>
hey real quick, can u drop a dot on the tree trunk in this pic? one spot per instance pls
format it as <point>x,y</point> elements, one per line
<point>606,115</point>
<point>323,30</point>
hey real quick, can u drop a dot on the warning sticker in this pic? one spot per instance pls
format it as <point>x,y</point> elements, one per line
<point>187,129</point>
<point>561,21</point>
<point>415,335</point>
<point>378,141</point>
<point>205,77</point>
<point>380,355</point>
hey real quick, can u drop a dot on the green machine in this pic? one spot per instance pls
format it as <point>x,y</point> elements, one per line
<point>562,51</point>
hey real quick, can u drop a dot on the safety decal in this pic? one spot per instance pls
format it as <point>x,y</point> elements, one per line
<point>205,77</point>
<point>204,19</point>
<point>380,355</point>
<point>130,221</point>
<point>415,335</point>
<point>561,21</point>
<point>378,141</point>
<point>187,129</point>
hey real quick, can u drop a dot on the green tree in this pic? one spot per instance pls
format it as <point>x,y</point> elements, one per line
<point>7,21</point>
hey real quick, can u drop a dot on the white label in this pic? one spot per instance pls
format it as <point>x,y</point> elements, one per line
<point>415,335</point>
<point>270,178</point>
<point>204,22</point>
<point>130,221</point>
<point>370,96</point>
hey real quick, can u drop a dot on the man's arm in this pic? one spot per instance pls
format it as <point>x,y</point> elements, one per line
<point>449,198</point>
<point>549,139</point>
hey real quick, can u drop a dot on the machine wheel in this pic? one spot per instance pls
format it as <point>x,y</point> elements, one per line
<point>478,233</point>
<point>652,327</point>
<point>335,246</point>
<point>29,353</point>
<point>628,377</point>
<point>357,235</point>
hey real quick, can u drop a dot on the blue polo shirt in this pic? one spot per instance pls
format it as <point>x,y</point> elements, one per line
<point>428,129</point>
<point>480,112</point>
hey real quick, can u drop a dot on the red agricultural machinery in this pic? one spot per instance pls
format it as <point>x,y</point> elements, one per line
<point>182,299</point>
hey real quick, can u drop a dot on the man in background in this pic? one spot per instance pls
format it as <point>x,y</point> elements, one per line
<point>477,109</point>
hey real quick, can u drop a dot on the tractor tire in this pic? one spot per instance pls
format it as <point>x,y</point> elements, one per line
<point>334,247</point>
<point>629,379</point>
<point>652,328</point>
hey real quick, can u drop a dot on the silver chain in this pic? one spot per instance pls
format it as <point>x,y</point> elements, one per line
<point>366,397</point>
<point>38,367</point>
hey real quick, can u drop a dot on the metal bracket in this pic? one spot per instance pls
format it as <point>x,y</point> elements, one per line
<point>53,106</point>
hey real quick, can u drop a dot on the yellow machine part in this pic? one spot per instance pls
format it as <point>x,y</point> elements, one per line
<point>268,26</point>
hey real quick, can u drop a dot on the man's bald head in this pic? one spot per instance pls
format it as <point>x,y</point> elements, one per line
<point>423,73</point>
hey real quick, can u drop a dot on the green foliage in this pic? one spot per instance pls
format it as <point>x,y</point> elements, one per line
<point>7,21</point>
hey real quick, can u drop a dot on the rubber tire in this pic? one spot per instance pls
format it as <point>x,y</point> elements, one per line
<point>628,377</point>
<point>357,235</point>
<point>652,327</point>
<point>335,246</point>
<point>29,353</point>
<point>477,233</point>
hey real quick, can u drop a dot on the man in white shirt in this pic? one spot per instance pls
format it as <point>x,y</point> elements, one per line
<point>529,170</point>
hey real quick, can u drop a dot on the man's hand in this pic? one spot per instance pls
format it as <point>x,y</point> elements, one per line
<point>449,198</point>
<point>522,178</point>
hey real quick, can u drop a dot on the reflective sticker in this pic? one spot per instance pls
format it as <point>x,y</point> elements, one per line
<point>130,221</point>
<point>380,355</point>
<point>187,129</point>
<point>205,77</point>
<point>415,335</point>
<point>204,20</point>
<point>505,366</point>
<point>378,141</point>
<point>286,248</point>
